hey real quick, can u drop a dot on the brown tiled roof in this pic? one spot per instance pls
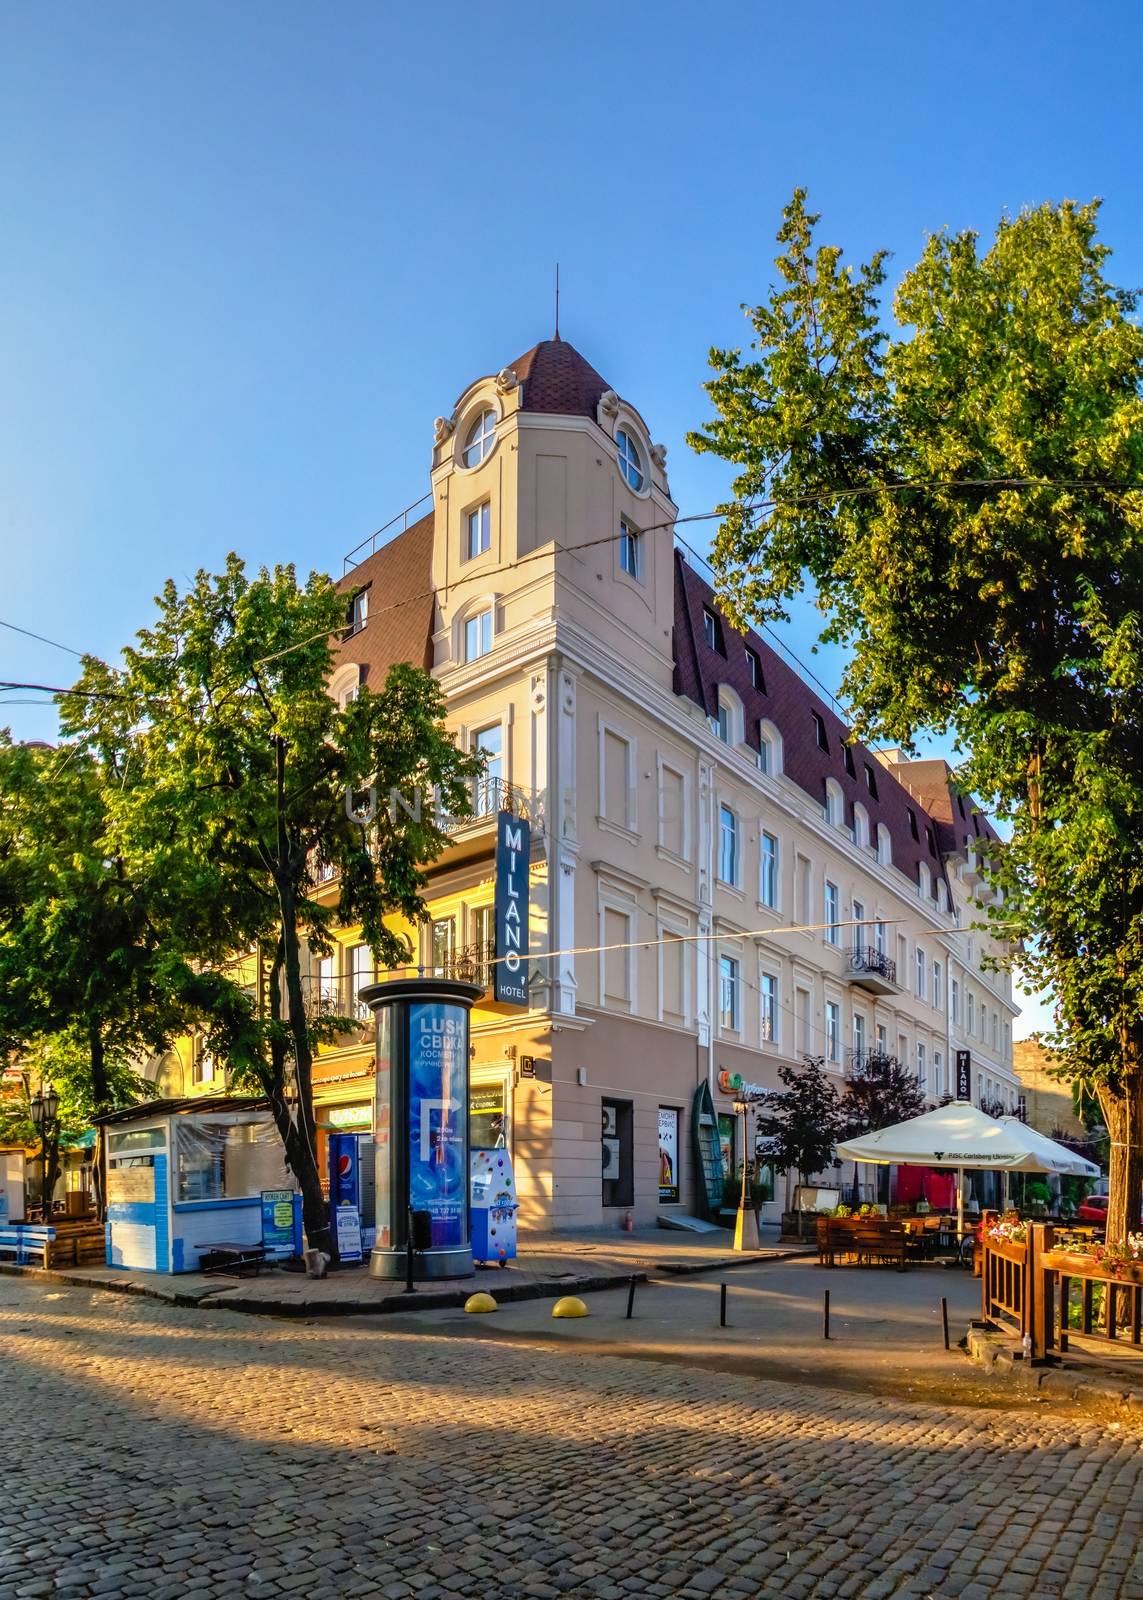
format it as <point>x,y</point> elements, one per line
<point>558,380</point>
<point>399,627</point>
<point>789,704</point>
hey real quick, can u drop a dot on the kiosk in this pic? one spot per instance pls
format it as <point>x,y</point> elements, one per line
<point>421,1131</point>
<point>184,1176</point>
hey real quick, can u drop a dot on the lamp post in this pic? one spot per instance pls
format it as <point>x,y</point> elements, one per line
<point>44,1107</point>
<point>746,1222</point>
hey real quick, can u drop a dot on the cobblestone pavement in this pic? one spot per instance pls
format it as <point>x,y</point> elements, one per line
<point>147,1450</point>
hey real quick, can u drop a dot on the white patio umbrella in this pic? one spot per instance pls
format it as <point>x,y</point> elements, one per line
<point>1064,1161</point>
<point>957,1136</point>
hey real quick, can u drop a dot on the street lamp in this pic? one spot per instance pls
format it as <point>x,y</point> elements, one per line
<point>44,1107</point>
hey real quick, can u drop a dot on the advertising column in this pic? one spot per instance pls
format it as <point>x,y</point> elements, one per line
<point>438,1120</point>
<point>421,1126</point>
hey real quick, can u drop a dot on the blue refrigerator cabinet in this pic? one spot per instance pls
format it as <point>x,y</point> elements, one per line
<point>493,1206</point>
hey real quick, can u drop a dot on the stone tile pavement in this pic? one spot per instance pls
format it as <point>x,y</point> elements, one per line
<point>154,1451</point>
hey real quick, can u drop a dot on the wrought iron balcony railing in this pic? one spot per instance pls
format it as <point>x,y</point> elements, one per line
<point>868,1063</point>
<point>470,963</point>
<point>866,958</point>
<point>492,795</point>
<point>337,997</point>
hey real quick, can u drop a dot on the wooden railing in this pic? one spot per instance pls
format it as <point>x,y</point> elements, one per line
<point>1031,1286</point>
<point>1004,1281</point>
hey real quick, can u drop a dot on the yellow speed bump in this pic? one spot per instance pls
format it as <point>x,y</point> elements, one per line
<point>570,1306</point>
<point>480,1302</point>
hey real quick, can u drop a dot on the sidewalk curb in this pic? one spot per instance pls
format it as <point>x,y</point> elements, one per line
<point>212,1298</point>
<point>744,1258</point>
<point>990,1347</point>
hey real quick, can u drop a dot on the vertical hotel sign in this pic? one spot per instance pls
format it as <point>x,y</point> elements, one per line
<point>513,852</point>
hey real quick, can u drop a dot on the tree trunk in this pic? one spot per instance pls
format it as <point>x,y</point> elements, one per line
<point>1122,1106</point>
<point>302,1146</point>
<point>100,1088</point>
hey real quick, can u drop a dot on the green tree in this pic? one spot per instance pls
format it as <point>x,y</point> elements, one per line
<point>243,769</point>
<point>799,1126</point>
<point>84,949</point>
<point>879,1096</point>
<point>962,487</point>
<point>62,1061</point>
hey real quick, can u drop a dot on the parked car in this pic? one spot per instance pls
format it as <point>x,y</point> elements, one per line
<point>1094,1209</point>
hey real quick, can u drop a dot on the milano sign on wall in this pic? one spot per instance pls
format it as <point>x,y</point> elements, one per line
<point>513,852</point>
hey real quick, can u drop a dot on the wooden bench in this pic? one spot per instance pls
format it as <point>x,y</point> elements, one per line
<point>26,1243</point>
<point>866,1239</point>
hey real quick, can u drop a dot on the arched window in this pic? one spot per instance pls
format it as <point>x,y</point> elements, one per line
<point>924,881</point>
<point>884,845</point>
<point>834,803</point>
<point>769,748</point>
<point>630,461</point>
<point>942,894</point>
<point>728,723</point>
<point>480,438</point>
<point>860,825</point>
<point>344,684</point>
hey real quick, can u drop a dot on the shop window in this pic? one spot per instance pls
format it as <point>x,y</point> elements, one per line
<point>668,1155</point>
<point>227,1160</point>
<point>617,1155</point>
<point>488,1115</point>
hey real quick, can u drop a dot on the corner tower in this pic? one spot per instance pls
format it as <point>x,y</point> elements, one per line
<point>551,501</point>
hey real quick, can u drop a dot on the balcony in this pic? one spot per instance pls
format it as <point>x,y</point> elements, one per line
<point>872,970</point>
<point>326,998</point>
<point>868,1063</point>
<point>471,963</point>
<point>490,796</point>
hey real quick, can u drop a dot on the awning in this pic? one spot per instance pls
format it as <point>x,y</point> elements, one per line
<point>958,1135</point>
<point>1077,1166</point>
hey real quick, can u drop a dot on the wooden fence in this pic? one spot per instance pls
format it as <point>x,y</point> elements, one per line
<point>1031,1288</point>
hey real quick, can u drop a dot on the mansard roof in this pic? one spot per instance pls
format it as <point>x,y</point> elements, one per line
<point>791,705</point>
<point>399,627</point>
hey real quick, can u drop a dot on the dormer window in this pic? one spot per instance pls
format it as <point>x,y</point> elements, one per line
<point>478,635</point>
<point>820,730</point>
<point>847,754</point>
<point>630,461</point>
<point>358,614</point>
<point>912,822</point>
<point>728,720</point>
<point>478,530</point>
<point>871,780</point>
<point>630,551</point>
<point>711,629</point>
<point>480,439</point>
<point>754,662</point>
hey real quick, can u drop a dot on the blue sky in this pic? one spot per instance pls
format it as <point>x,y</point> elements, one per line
<point>251,251</point>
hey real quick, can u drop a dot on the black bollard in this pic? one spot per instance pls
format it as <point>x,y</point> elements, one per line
<point>630,1295</point>
<point>409,1285</point>
<point>945,1319</point>
<point>722,1305</point>
<point>825,1315</point>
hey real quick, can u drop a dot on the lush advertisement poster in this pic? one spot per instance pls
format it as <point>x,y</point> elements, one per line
<point>513,852</point>
<point>438,1118</point>
<point>668,1153</point>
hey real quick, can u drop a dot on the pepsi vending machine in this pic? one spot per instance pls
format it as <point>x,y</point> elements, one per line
<point>351,1192</point>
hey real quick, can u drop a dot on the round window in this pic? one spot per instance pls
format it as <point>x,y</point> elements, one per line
<point>630,462</point>
<point>481,438</point>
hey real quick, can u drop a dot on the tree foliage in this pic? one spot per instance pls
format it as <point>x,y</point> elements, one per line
<point>241,765</point>
<point>961,483</point>
<point>799,1126</point>
<point>86,954</point>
